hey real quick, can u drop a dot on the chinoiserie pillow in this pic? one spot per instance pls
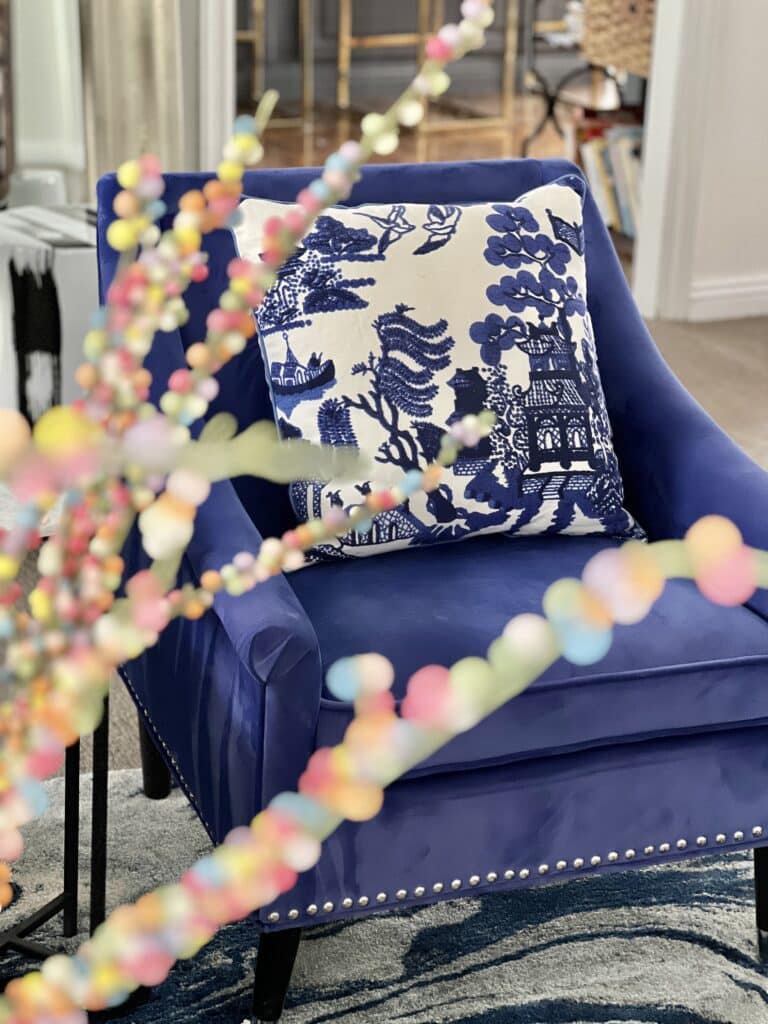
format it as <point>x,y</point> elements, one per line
<point>393,321</point>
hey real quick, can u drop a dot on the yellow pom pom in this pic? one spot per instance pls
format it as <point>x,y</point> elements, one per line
<point>122,235</point>
<point>63,431</point>
<point>230,171</point>
<point>129,174</point>
<point>8,567</point>
<point>40,605</point>
<point>189,239</point>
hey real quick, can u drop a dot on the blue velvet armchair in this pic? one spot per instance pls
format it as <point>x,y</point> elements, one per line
<point>657,753</point>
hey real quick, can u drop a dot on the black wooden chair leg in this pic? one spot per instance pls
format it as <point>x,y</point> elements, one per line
<point>274,966</point>
<point>157,778</point>
<point>761,899</point>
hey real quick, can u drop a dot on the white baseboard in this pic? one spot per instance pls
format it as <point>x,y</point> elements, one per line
<point>728,298</point>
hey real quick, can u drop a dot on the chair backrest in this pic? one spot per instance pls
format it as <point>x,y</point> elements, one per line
<point>244,389</point>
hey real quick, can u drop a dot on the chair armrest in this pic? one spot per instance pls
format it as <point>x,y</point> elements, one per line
<point>676,462</point>
<point>268,627</point>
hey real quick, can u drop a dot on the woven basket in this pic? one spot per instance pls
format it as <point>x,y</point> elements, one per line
<point>619,33</point>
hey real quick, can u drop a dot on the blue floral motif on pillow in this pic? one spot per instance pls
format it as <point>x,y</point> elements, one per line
<point>391,322</point>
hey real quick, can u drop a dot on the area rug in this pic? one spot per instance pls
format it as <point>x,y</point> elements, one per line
<point>667,945</point>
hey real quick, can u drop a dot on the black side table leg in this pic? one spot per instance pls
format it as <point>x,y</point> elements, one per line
<point>157,778</point>
<point>99,820</point>
<point>761,900</point>
<point>71,838</point>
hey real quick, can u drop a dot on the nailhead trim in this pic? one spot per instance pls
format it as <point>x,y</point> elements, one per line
<point>613,857</point>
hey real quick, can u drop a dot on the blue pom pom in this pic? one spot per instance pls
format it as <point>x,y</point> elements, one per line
<point>343,679</point>
<point>411,482</point>
<point>245,125</point>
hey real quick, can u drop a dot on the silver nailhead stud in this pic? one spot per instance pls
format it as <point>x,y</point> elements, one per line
<point>401,894</point>
<point>419,890</point>
<point>561,865</point>
<point>757,831</point>
<point>509,874</point>
<point>664,847</point>
<point>381,897</point>
<point>738,836</point>
<point>456,884</point>
<point>474,879</point>
<point>437,887</point>
<point>578,863</point>
<point>630,854</point>
<point>346,903</point>
<point>292,915</point>
<point>594,861</point>
<point>681,844</point>
<point>524,873</point>
<point>701,840</point>
<point>648,850</point>
<point>720,838</point>
<point>363,901</point>
<point>543,869</point>
<point>327,907</point>
<point>312,909</point>
<point>274,917</point>
<point>613,856</point>
<point>491,877</point>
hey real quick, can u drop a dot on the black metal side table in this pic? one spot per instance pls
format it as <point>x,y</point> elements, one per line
<point>18,937</point>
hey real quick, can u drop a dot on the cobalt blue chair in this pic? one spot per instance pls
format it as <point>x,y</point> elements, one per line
<point>656,753</point>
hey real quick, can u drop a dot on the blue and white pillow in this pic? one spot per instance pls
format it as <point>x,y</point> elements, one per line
<point>393,321</point>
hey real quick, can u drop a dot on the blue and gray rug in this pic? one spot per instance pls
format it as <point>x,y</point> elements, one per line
<point>670,945</point>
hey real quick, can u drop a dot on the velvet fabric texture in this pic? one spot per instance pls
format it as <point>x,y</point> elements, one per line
<point>663,742</point>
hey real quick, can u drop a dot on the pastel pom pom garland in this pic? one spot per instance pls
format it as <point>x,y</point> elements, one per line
<point>117,459</point>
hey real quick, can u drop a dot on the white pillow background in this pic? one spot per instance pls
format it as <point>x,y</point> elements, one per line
<point>394,320</point>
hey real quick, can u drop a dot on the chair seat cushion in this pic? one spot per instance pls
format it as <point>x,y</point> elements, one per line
<point>675,673</point>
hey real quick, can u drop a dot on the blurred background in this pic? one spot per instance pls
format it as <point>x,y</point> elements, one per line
<point>661,102</point>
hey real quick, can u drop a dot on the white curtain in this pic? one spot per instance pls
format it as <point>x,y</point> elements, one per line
<point>133,82</point>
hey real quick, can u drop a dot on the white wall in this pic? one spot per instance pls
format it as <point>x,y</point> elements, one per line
<point>47,90</point>
<point>730,265</point>
<point>702,252</point>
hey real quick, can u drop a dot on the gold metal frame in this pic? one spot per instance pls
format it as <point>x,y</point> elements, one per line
<point>476,121</point>
<point>349,42</point>
<point>256,35</point>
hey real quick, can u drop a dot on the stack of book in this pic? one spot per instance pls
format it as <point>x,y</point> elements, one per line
<point>609,150</point>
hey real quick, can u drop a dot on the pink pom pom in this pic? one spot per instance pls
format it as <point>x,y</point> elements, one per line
<point>180,381</point>
<point>217,321</point>
<point>296,221</point>
<point>150,165</point>
<point>311,202</point>
<point>731,581</point>
<point>428,699</point>
<point>438,49</point>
